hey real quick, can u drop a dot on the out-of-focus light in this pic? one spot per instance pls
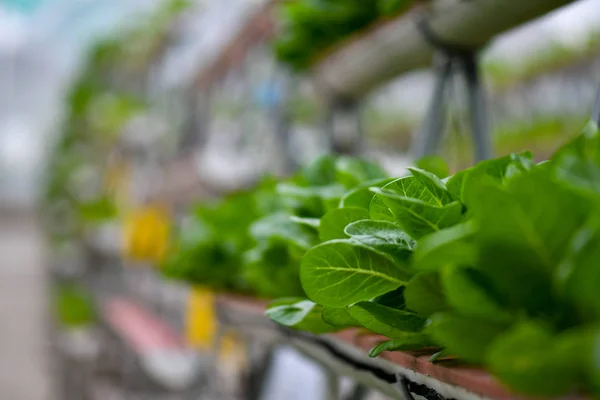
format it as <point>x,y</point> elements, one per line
<point>13,31</point>
<point>23,6</point>
<point>19,149</point>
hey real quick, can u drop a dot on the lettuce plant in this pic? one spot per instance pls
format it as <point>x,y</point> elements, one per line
<point>496,265</point>
<point>253,242</point>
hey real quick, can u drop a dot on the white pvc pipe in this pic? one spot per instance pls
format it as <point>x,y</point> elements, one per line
<point>399,46</point>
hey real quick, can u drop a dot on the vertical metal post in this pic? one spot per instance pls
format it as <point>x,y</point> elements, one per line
<point>429,135</point>
<point>282,128</point>
<point>196,121</point>
<point>477,107</point>
<point>596,110</point>
<point>403,387</point>
<point>282,123</point>
<point>259,372</point>
<point>190,120</point>
<point>359,392</point>
<point>331,390</point>
<point>328,128</point>
<point>349,142</point>
<point>359,142</point>
<point>204,118</point>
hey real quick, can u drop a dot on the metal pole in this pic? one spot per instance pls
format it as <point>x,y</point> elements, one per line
<point>477,107</point>
<point>596,110</point>
<point>359,392</point>
<point>359,142</point>
<point>282,123</point>
<point>331,391</point>
<point>259,372</point>
<point>350,141</point>
<point>429,135</point>
<point>328,128</point>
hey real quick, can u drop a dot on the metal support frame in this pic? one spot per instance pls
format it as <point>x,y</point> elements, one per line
<point>477,106</point>
<point>430,134</point>
<point>331,389</point>
<point>284,133</point>
<point>359,392</point>
<point>196,121</point>
<point>279,112</point>
<point>345,142</point>
<point>467,62</point>
<point>403,387</point>
<point>258,373</point>
<point>596,110</point>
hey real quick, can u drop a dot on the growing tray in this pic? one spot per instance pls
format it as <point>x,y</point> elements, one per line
<point>393,47</point>
<point>346,354</point>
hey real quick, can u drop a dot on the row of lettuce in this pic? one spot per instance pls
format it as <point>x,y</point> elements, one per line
<point>497,265</point>
<point>79,192</point>
<point>312,27</point>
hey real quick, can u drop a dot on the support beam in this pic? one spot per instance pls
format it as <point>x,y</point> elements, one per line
<point>398,46</point>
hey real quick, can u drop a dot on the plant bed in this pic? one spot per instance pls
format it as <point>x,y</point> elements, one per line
<point>162,357</point>
<point>494,265</point>
<point>347,352</point>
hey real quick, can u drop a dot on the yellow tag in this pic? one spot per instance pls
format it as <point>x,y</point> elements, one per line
<point>146,234</point>
<point>232,355</point>
<point>201,319</point>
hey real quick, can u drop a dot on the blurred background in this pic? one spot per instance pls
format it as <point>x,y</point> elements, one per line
<point>207,96</point>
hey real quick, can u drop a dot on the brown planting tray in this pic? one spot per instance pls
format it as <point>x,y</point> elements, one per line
<point>346,353</point>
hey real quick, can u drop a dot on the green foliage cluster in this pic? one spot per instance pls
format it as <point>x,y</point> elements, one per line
<point>313,26</point>
<point>253,242</point>
<point>95,119</point>
<point>73,306</point>
<point>96,113</point>
<point>496,265</point>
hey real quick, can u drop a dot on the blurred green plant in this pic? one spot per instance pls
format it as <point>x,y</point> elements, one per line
<point>74,307</point>
<point>434,164</point>
<point>98,107</point>
<point>311,27</point>
<point>253,242</point>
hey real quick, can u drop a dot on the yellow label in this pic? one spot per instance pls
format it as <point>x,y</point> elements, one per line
<point>146,234</point>
<point>232,355</point>
<point>201,319</point>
